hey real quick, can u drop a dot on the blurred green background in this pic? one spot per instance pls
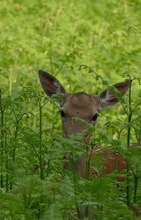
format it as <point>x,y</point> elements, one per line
<point>58,35</point>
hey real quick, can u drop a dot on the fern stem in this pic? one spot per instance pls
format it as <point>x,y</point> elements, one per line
<point>128,145</point>
<point>2,139</point>
<point>40,150</point>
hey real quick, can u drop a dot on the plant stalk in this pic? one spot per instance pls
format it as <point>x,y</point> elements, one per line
<point>128,145</point>
<point>40,149</point>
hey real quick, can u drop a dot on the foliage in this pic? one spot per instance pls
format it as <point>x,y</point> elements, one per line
<point>88,45</point>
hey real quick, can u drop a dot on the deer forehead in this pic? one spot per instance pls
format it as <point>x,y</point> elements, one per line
<point>80,104</point>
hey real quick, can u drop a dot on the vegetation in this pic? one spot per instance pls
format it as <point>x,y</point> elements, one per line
<point>88,45</point>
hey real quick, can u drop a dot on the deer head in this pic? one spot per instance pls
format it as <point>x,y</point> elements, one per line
<point>80,105</point>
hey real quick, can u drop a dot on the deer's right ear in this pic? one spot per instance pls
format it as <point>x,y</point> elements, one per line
<point>50,84</point>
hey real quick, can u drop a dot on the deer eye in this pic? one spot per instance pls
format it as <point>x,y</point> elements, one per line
<point>95,117</point>
<point>62,113</point>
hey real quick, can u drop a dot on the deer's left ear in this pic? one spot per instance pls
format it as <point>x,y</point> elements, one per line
<point>108,97</point>
<point>50,84</point>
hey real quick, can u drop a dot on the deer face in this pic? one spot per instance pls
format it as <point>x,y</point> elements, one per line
<point>76,106</point>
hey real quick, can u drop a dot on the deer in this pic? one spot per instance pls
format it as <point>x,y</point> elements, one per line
<point>86,107</point>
